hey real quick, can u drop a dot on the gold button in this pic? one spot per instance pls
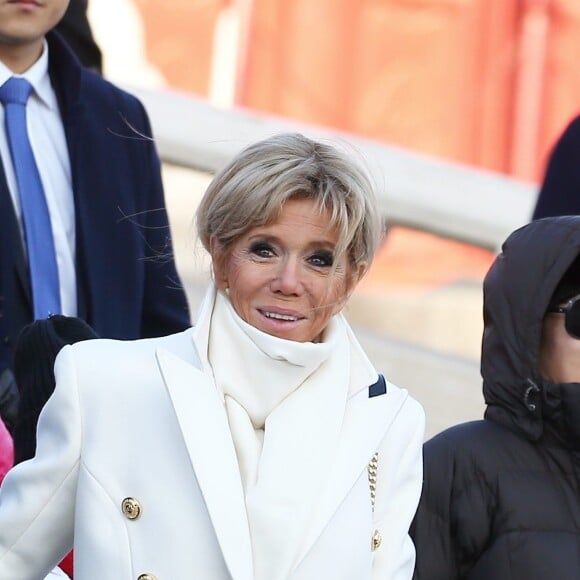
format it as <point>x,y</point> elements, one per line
<point>131,508</point>
<point>376,540</point>
<point>146,577</point>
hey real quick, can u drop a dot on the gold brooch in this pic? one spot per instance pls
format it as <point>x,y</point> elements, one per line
<point>372,473</point>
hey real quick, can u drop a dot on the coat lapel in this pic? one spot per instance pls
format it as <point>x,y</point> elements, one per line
<point>366,422</point>
<point>12,237</point>
<point>204,426</point>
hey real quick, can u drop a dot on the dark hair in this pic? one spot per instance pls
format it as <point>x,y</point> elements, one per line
<point>36,348</point>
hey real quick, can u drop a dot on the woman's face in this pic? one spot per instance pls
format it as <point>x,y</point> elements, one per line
<point>559,352</point>
<point>280,277</point>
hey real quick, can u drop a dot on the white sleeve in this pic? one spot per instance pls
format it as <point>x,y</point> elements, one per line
<point>399,483</point>
<point>37,496</point>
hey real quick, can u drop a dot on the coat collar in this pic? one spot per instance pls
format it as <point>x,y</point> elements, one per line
<point>11,237</point>
<point>204,425</point>
<point>366,422</point>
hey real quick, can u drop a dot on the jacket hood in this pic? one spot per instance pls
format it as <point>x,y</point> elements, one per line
<point>516,293</point>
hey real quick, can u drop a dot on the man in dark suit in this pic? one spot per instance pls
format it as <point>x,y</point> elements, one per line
<point>103,189</point>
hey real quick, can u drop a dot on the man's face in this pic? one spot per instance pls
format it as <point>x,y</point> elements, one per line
<point>23,25</point>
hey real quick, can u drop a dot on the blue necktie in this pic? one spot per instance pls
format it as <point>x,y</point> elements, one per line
<point>37,229</point>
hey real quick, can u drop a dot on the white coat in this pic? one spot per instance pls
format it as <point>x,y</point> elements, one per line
<point>136,467</point>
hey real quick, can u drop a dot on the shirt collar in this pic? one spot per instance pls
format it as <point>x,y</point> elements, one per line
<point>37,75</point>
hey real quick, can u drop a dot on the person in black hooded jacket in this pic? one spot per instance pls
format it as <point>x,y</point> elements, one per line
<point>501,496</point>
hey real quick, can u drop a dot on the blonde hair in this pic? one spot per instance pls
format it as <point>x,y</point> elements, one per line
<point>251,190</point>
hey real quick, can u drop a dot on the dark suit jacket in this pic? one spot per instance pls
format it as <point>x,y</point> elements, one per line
<point>128,286</point>
<point>560,191</point>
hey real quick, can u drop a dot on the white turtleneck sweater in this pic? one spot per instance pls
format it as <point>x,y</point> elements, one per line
<point>285,402</point>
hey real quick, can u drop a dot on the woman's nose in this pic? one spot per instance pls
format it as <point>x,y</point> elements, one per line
<point>288,278</point>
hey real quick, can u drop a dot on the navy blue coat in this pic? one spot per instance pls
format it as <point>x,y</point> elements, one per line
<point>128,286</point>
<point>560,191</point>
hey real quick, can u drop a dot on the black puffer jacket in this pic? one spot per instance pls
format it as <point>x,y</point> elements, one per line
<point>501,499</point>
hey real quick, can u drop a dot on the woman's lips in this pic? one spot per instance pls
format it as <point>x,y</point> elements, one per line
<point>280,315</point>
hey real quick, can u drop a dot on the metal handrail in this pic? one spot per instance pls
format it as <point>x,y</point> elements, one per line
<point>450,199</point>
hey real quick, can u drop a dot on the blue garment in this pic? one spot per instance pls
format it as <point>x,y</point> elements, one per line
<point>127,284</point>
<point>560,190</point>
<point>42,264</point>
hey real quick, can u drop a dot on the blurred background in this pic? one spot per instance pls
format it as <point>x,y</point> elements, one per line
<point>461,101</point>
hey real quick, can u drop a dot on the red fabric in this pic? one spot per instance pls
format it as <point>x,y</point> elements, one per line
<point>6,451</point>
<point>67,564</point>
<point>6,462</point>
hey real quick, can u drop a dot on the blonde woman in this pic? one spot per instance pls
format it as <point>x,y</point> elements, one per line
<point>260,444</point>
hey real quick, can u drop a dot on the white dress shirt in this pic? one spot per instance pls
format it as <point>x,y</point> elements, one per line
<point>46,133</point>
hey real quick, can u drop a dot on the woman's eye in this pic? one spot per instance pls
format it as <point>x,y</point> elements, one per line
<point>322,259</point>
<point>262,250</point>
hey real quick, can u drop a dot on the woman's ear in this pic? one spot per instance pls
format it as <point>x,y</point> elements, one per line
<point>361,270</point>
<point>219,261</point>
<point>355,276</point>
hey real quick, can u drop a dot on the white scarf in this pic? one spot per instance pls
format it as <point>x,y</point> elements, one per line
<point>285,403</point>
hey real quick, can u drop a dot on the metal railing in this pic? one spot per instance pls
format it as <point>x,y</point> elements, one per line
<point>453,200</point>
